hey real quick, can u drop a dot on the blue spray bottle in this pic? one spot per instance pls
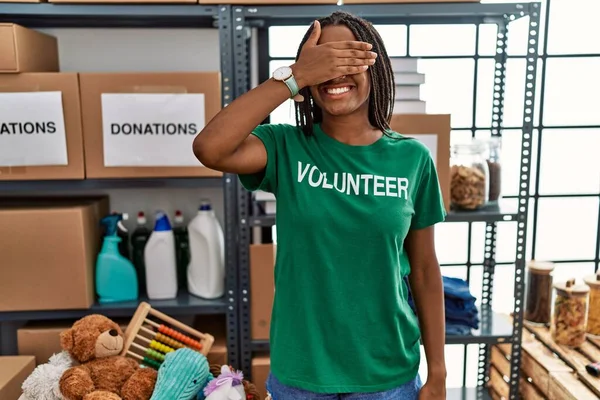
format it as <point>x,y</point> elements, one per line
<point>116,278</point>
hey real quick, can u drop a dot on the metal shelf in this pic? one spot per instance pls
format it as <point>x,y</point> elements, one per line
<point>108,15</point>
<point>97,184</point>
<point>184,304</point>
<point>504,212</point>
<point>478,393</point>
<point>494,328</point>
<point>86,15</point>
<point>497,330</point>
<point>386,13</point>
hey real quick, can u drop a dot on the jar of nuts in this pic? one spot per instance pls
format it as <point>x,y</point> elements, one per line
<point>469,176</point>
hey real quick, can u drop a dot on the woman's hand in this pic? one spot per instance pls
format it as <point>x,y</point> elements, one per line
<point>433,390</point>
<point>321,63</point>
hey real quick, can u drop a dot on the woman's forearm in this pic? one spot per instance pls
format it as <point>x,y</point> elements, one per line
<point>231,126</point>
<point>428,292</point>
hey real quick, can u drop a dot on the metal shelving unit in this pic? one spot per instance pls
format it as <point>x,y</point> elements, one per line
<point>494,328</point>
<point>44,15</point>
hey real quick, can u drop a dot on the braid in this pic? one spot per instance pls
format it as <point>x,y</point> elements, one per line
<point>383,89</point>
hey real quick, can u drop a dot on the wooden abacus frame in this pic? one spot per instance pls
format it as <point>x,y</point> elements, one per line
<point>161,338</point>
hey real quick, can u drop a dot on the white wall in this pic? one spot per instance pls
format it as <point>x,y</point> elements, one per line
<point>130,50</point>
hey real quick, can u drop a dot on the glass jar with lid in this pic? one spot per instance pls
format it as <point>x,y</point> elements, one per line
<point>569,320</point>
<point>469,176</point>
<point>494,162</point>
<point>538,305</point>
<point>593,323</point>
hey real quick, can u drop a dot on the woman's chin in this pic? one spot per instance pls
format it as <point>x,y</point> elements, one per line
<point>339,110</point>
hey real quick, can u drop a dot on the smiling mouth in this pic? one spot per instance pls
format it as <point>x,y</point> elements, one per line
<point>336,92</point>
<point>108,348</point>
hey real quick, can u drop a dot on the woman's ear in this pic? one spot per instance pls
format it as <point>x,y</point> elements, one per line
<point>67,342</point>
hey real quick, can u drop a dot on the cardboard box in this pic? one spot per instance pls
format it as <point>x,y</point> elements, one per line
<point>143,124</point>
<point>26,50</point>
<point>261,366</point>
<point>216,325</point>
<point>268,2</point>
<point>434,131</point>
<point>408,1</point>
<point>32,88</point>
<point>42,340</point>
<point>13,372</point>
<point>51,256</point>
<point>125,1</point>
<point>262,289</point>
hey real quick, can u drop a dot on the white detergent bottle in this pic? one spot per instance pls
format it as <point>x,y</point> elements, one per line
<point>160,261</point>
<point>206,271</point>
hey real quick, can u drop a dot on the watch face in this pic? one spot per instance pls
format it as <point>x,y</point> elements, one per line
<point>282,73</point>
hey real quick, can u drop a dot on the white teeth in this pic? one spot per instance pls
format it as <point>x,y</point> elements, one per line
<point>338,90</point>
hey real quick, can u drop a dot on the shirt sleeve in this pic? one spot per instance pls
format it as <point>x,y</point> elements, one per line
<point>265,180</point>
<point>429,203</point>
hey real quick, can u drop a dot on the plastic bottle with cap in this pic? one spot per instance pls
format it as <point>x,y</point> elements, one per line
<point>139,238</point>
<point>123,234</point>
<point>206,270</point>
<point>160,260</point>
<point>116,279</point>
<point>182,249</point>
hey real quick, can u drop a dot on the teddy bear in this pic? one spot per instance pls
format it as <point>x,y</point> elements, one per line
<point>95,342</point>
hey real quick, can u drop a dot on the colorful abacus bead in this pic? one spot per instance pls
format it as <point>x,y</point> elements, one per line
<point>155,355</point>
<point>151,363</point>
<point>178,336</point>
<point>168,341</point>
<point>161,347</point>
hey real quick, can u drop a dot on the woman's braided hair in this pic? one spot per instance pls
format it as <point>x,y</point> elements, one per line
<point>381,98</point>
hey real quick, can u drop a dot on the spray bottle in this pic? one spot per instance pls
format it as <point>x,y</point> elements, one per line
<point>116,279</point>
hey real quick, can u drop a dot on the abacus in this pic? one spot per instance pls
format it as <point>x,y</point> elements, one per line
<point>151,335</point>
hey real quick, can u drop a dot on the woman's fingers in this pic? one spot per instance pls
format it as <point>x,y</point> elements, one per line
<point>349,44</point>
<point>355,54</point>
<point>355,61</point>
<point>352,70</point>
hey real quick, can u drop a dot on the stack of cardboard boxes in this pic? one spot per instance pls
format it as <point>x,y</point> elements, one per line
<point>74,126</point>
<point>56,125</point>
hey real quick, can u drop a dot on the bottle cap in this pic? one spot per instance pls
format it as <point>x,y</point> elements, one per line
<point>570,288</point>
<point>178,216</point>
<point>141,218</point>
<point>162,222</point>
<point>205,205</point>
<point>593,281</point>
<point>540,267</point>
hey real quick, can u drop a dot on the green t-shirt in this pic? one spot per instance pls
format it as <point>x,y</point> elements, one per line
<point>341,322</point>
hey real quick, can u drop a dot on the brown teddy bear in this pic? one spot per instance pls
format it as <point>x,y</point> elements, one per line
<point>96,342</point>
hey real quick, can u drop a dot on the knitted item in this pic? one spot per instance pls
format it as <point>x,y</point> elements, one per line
<point>183,374</point>
<point>42,384</point>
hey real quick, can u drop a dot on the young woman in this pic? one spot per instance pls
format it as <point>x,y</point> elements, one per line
<point>356,205</point>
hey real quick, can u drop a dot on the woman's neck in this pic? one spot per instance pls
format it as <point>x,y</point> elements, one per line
<point>354,130</point>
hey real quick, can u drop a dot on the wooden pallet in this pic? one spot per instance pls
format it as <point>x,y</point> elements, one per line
<point>548,371</point>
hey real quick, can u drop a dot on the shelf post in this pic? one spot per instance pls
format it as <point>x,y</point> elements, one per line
<point>229,192</point>
<point>489,262</point>
<point>242,85</point>
<point>524,178</point>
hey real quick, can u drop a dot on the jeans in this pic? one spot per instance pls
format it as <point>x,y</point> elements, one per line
<point>279,391</point>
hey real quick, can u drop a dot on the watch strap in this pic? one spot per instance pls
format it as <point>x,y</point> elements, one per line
<point>292,85</point>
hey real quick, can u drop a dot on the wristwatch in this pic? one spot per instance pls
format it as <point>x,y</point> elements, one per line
<point>285,75</point>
